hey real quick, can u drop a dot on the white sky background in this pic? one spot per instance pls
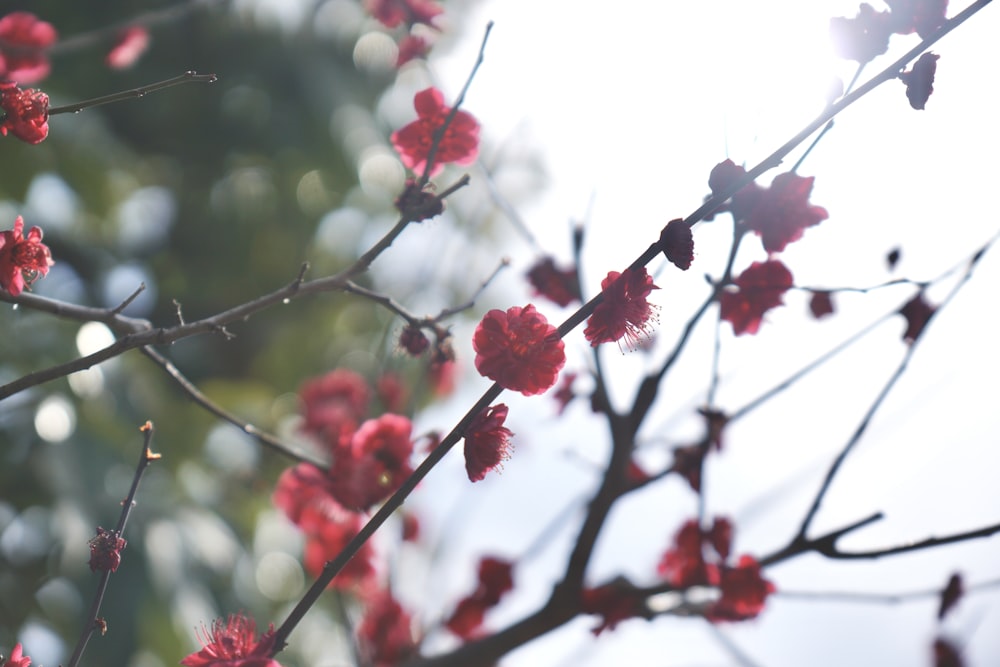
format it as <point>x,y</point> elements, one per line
<point>631,104</point>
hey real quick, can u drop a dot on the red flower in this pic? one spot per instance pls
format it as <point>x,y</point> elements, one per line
<point>393,12</point>
<point>106,551</point>
<point>744,592</point>
<point>724,175</point>
<point>17,659</point>
<point>26,113</point>
<point>782,212</point>
<point>678,244</point>
<point>920,80</point>
<point>385,635</point>
<point>459,144</point>
<point>487,442</point>
<point>917,313</point>
<point>820,304</point>
<point>334,405</point>
<point>304,494</point>
<point>688,462</point>
<point>863,37</point>
<point>373,464</point>
<point>413,340</point>
<point>614,604</point>
<point>560,286</point>
<point>232,642</point>
<point>494,580</point>
<point>20,257</point>
<point>23,41</point>
<point>758,289</point>
<point>411,48</point>
<point>518,349</point>
<point>130,44</point>
<point>684,565</point>
<point>624,312</point>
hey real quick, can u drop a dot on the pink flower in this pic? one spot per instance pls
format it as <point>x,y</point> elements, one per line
<point>487,442</point>
<point>233,642</point>
<point>385,636</point>
<point>20,257</point>
<point>23,41</point>
<point>26,113</point>
<point>373,464</point>
<point>459,144</point>
<point>130,44</point>
<point>17,659</point>
<point>560,286</point>
<point>624,312</point>
<point>519,349</point>
<point>758,289</point>
<point>106,551</point>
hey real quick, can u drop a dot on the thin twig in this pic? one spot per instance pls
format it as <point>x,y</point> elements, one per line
<point>141,91</point>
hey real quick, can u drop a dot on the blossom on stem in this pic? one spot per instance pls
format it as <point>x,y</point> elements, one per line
<point>519,349</point>
<point>820,304</point>
<point>744,592</point>
<point>677,243</point>
<point>919,81</point>
<point>458,144</point>
<point>487,442</point>
<point>106,551</point>
<point>334,404</point>
<point>17,658</point>
<point>233,642</point>
<point>758,289</point>
<point>23,42</point>
<point>614,603</point>
<point>26,113</point>
<point>22,260</point>
<point>684,564</point>
<point>624,312</point>
<point>917,313</point>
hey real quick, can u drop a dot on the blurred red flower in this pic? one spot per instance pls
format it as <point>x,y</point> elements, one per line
<point>385,635</point>
<point>758,289</point>
<point>373,463</point>
<point>130,44</point>
<point>392,13</point>
<point>23,42</point>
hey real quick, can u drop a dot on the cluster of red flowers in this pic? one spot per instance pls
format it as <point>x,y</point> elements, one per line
<point>779,215</point>
<point>743,590</point>
<point>370,460</point>
<point>385,634</point>
<point>494,581</point>
<point>459,143</point>
<point>233,642</point>
<point>22,260</point>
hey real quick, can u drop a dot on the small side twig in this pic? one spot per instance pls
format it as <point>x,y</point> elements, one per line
<point>93,621</point>
<point>141,91</point>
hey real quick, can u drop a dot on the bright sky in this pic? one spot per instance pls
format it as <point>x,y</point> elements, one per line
<point>630,108</point>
